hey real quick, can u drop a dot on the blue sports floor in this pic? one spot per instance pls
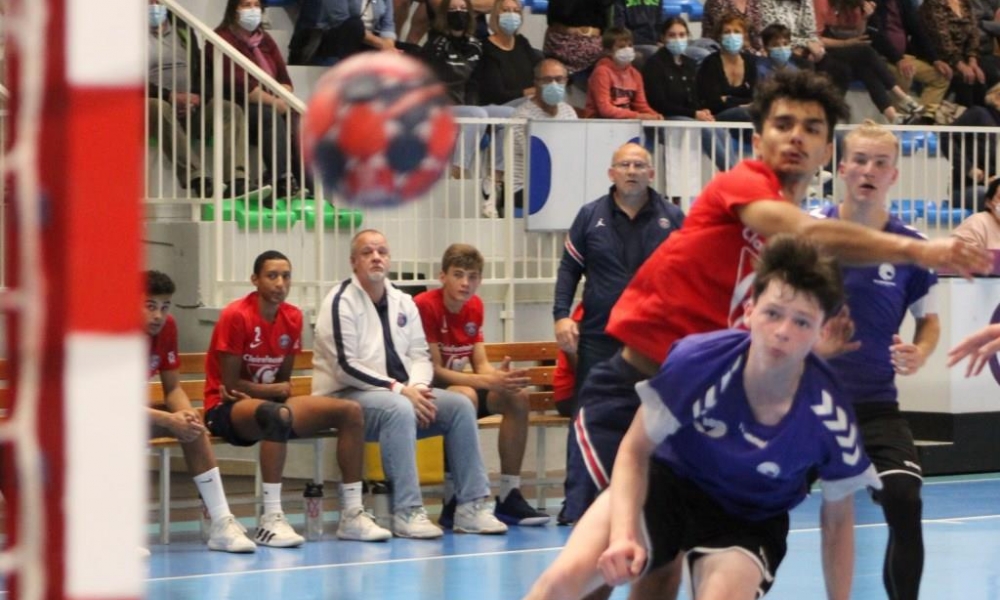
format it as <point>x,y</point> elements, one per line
<point>961,535</point>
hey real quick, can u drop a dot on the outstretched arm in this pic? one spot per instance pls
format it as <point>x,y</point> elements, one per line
<point>837,525</point>
<point>979,347</point>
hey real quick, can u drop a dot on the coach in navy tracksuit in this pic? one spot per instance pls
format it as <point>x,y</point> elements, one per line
<point>610,239</point>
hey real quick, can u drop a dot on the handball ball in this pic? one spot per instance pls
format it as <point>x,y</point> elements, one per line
<point>378,129</point>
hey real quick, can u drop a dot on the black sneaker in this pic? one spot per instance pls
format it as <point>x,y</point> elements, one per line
<point>562,520</point>
<point>447,518</point>
<point>201,187</point>
<point>515,510</point>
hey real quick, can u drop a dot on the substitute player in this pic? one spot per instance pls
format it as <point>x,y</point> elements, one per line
<point>452,318</point>
<point>248,398</point>
<point>175,416</point>
<point>731,433</point>
<point>879,296</point>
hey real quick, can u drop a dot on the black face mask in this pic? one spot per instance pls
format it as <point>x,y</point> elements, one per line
<point>458,20</point>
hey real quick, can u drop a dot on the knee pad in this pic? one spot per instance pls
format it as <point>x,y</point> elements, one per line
<point>274,420</point>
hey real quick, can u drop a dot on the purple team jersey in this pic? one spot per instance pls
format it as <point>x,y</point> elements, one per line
<point>878,297</point>
<point>696,410</point>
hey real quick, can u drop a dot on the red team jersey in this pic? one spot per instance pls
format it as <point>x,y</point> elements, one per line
<point>261,345</point>
<point>699,278</point>
<point>163,349</point>
<point>454,333</point>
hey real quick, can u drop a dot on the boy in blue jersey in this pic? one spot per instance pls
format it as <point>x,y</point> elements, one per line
<point>731,432</point>
<point>879,296</point>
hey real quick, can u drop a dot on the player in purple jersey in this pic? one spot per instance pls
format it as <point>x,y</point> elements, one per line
<point>879,296</point>
<point>730,434</point>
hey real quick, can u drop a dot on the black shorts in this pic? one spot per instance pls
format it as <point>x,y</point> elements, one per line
<point>219,422</point>
<point>482,410</point>
<point>679,516</point>
<point>888,439</point>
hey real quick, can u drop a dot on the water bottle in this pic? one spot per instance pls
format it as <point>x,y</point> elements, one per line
<point>382,503</point>
<point>205,522</point>
<point>313,497</point>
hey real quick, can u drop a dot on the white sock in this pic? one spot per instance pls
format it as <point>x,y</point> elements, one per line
<point>210,487</point>
<point>350,496</point>
<point>449,487</point>
<point>508,483</point>
<point>272,498</point>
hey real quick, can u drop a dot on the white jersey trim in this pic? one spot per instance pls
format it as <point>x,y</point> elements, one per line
<point>660,422</point>
<point>841,488</point>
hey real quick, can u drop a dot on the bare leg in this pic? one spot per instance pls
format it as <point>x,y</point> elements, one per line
<point>513,436</point>
<point>316,413</point>
<point>661,583</point>
<point>729,575</point>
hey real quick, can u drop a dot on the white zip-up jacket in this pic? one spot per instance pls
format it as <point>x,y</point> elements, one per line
<point>349,351</point>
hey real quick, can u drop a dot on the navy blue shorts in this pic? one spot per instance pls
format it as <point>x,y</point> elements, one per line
<point>608,404</point>
<point>219,421</point>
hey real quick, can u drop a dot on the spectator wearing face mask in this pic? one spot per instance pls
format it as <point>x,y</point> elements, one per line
<point>506,75</point>
<point>615,89</point>
<point>777,40</point>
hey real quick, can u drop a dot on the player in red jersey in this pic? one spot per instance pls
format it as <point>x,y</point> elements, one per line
<point>452,317</point>
<point>175,417</point>
<point>248,398</point>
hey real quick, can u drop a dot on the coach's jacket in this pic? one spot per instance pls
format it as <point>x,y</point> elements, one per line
<point>349,351</point>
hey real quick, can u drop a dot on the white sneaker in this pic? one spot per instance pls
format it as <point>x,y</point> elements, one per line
<point>413,523</point>
<point>477,517</point>
<point>358,524</point>
<point>228,535</point>
<point>489,205</point>
<point>274,530</point>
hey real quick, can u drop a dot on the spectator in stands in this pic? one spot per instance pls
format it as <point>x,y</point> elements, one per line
<point>329,30</point>
<point>176,108</point>
<point>564,377</point>
<point>452,317</point>
<point>955,35</point>
<point>717,10</point>
<point>982,229</point>
<point>799,16</point>
<point>615,89</point>
<point>644,19</point>
<point>418,19</point>
<point>506,75</point>
<point>249,398</point>
<point>455,55</point>
<point>271,123</point>
<point>973,155</point>
<point>175,417</point>
<point>987,15</point>
<point>573,34</point>
<point>897,33</point>
<point>548,102</point>
<point>777,41</point>
<point>850,56</point>
<point>370,348</point>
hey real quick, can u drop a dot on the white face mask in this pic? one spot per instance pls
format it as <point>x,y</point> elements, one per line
<point>509,22</point>
<point>625,56</point>
<point>250,18</point>
<point>157,15</point>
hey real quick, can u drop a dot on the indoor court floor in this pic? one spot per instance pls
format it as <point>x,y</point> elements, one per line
<point>961,531</point>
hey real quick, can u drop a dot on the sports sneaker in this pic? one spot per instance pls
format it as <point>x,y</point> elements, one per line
<point>413,523</point>
<point>477,517</point>
<point>911,106</point>
<point>489,206</point>
<point>359,524</point>
<point>515,510</point>
<point>447,518</point>
<point>228,535</point>
<point>274,530</point>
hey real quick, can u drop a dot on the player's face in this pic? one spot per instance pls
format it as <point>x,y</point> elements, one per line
<point>370,258</point>
<point>784,324</point>
<point>458,284</point>
<point>274,281</point>
<point>869,170</point>
<point>155,311</point>
<point>631,170</point>
<point>793,139</point>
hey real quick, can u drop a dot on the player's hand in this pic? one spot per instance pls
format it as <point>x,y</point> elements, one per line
<point>906,358</point>
<point>837,335</point>
<point>979,347</point>
<point>186,426</point>
<point>953,253</point>
<point>944,69</point>
<point>422,399</point>
<point>232,395</point>
<point>510,380</point>
<point>622,562</point>
<point>567,334</point>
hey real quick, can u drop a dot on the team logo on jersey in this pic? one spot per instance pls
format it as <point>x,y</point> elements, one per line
<point>266,375</point>
<point>664,223</point>
<point>154,362</point>
<point>256,338</point>
<point>835,419</point>
<point>171,357</point>
<point>470,329</point>
<point>401,320</point>
<point>457,363</point>
<point>769,469</point>
<point>284,341</point>
<point>886,274</point>
<point>600,223</point>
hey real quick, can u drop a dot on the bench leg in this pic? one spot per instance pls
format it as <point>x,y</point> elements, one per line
<point>318,462</point>
<point>164,495</point>
<point>541,473</point>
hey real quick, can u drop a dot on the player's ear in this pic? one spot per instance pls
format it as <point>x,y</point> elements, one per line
<point>747,308</point>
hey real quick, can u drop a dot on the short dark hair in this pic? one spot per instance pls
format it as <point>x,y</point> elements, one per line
<point>991,192</point>
<point>613,34</point>
<point>670,22</point>
<point>440,22</point>
<point>463,256</point>
<point>263,257</point>
<point>159,284</point>
<point>799,86</point>
<point>774,31</point>
<point>799,263</point>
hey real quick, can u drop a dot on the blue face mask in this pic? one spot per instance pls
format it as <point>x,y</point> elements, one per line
<point>677,46</point>
<point>780,54</point>
<point>157,15</point>
<point>553,93</point>
<point>509,22</point>
<point>732,42</point>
